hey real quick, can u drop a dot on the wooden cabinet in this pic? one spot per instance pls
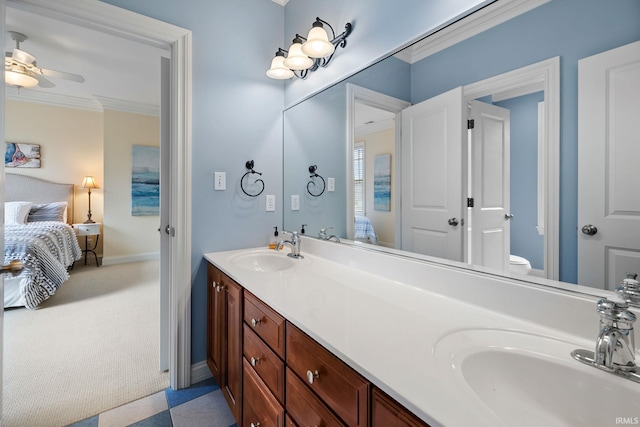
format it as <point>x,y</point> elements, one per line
<point>386,412</point>
<point>344,390</point>
<point>260,407</point>
<point>224,336</point>
<point>273,374</point>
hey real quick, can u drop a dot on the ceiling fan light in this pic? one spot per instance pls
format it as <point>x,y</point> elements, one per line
<point>15,78</point>
<point>318,44</point>
<point>278,70</point>
<point>296,60</point>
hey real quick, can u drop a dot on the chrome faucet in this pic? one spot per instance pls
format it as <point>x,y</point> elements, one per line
<point>629,289</point>
<point>323,235</point>
<point>615,345</point>
<point>294,243</point>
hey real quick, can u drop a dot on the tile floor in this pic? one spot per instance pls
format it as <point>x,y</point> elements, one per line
<point>201,405</point>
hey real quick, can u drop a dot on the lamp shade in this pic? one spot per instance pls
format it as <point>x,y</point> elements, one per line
<point>296,60</point>
<point>317,44</point>
<point>15,78</point>
<point>278,70</point>
<point>89,182</point>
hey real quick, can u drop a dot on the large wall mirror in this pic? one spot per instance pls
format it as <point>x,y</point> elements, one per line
<point>400,167</point>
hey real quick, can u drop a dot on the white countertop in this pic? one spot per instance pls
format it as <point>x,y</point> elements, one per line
<point>388,329</point>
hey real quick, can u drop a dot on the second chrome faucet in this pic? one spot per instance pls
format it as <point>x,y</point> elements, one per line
<point>294,243</point>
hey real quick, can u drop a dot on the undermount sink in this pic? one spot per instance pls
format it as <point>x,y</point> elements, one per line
<point>525,379</point>
<point>263,261</point>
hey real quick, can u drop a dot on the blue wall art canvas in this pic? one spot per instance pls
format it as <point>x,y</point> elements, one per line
<point>145,180</point>
<point>382,182</point>
<point>22,155</point>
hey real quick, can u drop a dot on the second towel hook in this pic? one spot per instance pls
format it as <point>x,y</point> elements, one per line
<point>249,165</point>
<point>312,171</point>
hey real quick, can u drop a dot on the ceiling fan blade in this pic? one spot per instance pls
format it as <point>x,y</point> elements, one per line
<point>42,82</point>
<point>62,75</point>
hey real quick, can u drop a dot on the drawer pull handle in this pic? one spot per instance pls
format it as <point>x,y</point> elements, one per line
<point>255,424</point>
<point>254,361</point>
<point>311,376</point>
<point>255,322</point>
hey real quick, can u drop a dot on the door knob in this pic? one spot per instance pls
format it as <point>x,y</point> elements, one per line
<point>589,229</point>
<point>14,267</point>
<point>508,216</point>
<point>453,221</point>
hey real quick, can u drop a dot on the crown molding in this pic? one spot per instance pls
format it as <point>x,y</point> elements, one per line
<point>53,99</point>
<point>488,17</point>
<point>281,2</point>
<point>128,106</point>
<point>97,104</point>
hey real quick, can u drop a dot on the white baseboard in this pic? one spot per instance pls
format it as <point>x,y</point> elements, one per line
<point>130,258</point>
<point>200,372</point>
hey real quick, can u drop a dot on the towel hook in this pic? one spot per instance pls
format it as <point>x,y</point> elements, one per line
<point>312,171</point>
<point>249,165</point>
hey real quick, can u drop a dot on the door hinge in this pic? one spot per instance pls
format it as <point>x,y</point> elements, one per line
<point>471,123</point>
<point>470,202</point>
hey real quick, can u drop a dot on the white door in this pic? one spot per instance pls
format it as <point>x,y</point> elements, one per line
<point>165,212</point>
<point>432,176</point>
<point>489,170</point>
<point>609,166</point>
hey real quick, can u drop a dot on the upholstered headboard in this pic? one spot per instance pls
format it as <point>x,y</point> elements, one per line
<point>27,188</point>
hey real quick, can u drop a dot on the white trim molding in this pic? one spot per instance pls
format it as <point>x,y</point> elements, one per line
<point>124,259</point>
<point>488,17</point>
<point>133,26</point>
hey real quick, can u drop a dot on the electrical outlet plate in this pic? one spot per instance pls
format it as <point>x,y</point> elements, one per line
<point>331,185</point>
<point>219,181</point>
<point>271,203</point>
<point>295,202</point>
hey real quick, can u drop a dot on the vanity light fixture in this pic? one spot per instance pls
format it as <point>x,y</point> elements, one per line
<point>308,53</point>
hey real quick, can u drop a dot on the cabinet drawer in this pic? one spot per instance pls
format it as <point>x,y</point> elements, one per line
<point>305,408</point>
<point>339,386</point>
<point>265,322</point>
<point>265,363</point>
<point>386,412</point>
<point>260,407</point>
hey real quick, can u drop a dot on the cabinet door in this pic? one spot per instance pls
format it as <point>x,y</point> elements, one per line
<point>260,407</point>
<point>215,322</point>
<point>232,376</point>
<point>386,412</point>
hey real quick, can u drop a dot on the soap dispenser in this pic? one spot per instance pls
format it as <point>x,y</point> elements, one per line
<point>273,239</point>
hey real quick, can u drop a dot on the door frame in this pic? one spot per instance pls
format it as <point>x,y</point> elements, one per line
<point>543,76</point>
<point>133,26</point>
<point>359,94</point>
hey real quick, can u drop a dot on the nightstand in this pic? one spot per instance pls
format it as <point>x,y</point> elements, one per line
<point>89,230</point>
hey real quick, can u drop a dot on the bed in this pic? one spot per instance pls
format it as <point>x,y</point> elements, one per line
<point>37,232</point>
<point>364,231</point>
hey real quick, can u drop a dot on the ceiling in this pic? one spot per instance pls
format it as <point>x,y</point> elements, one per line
<point>114,68</point>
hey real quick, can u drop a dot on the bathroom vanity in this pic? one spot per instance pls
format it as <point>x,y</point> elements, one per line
<point>349,336</point>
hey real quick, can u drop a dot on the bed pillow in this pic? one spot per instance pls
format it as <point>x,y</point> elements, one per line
<point>56,211</point>
<point>16,212</point>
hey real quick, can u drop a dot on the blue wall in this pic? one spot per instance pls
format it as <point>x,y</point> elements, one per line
<point>571,29</point>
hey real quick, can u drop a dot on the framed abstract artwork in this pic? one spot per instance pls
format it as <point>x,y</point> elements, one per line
<point>145,180</point>
<point>18,155</point>
<point>382,182</point>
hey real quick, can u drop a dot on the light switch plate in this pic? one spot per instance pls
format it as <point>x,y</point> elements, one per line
<point>271,203</point>
<point>295,202</point>
<point>331,184</point>
<point>219,181</point>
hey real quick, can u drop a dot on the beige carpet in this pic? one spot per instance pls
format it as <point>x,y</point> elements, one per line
<point>91,347</point>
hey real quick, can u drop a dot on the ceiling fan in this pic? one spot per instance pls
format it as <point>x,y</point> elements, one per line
<point>21,70</point>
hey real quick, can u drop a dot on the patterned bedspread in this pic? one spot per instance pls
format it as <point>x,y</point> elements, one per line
<point>364,229</point>
<point>46,248</point>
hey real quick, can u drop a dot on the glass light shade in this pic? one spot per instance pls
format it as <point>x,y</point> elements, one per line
<point>317,44</point>
<point>89,182</point>
<point>278,70</point>
<point>15,78</point>
<point>296,60</point>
